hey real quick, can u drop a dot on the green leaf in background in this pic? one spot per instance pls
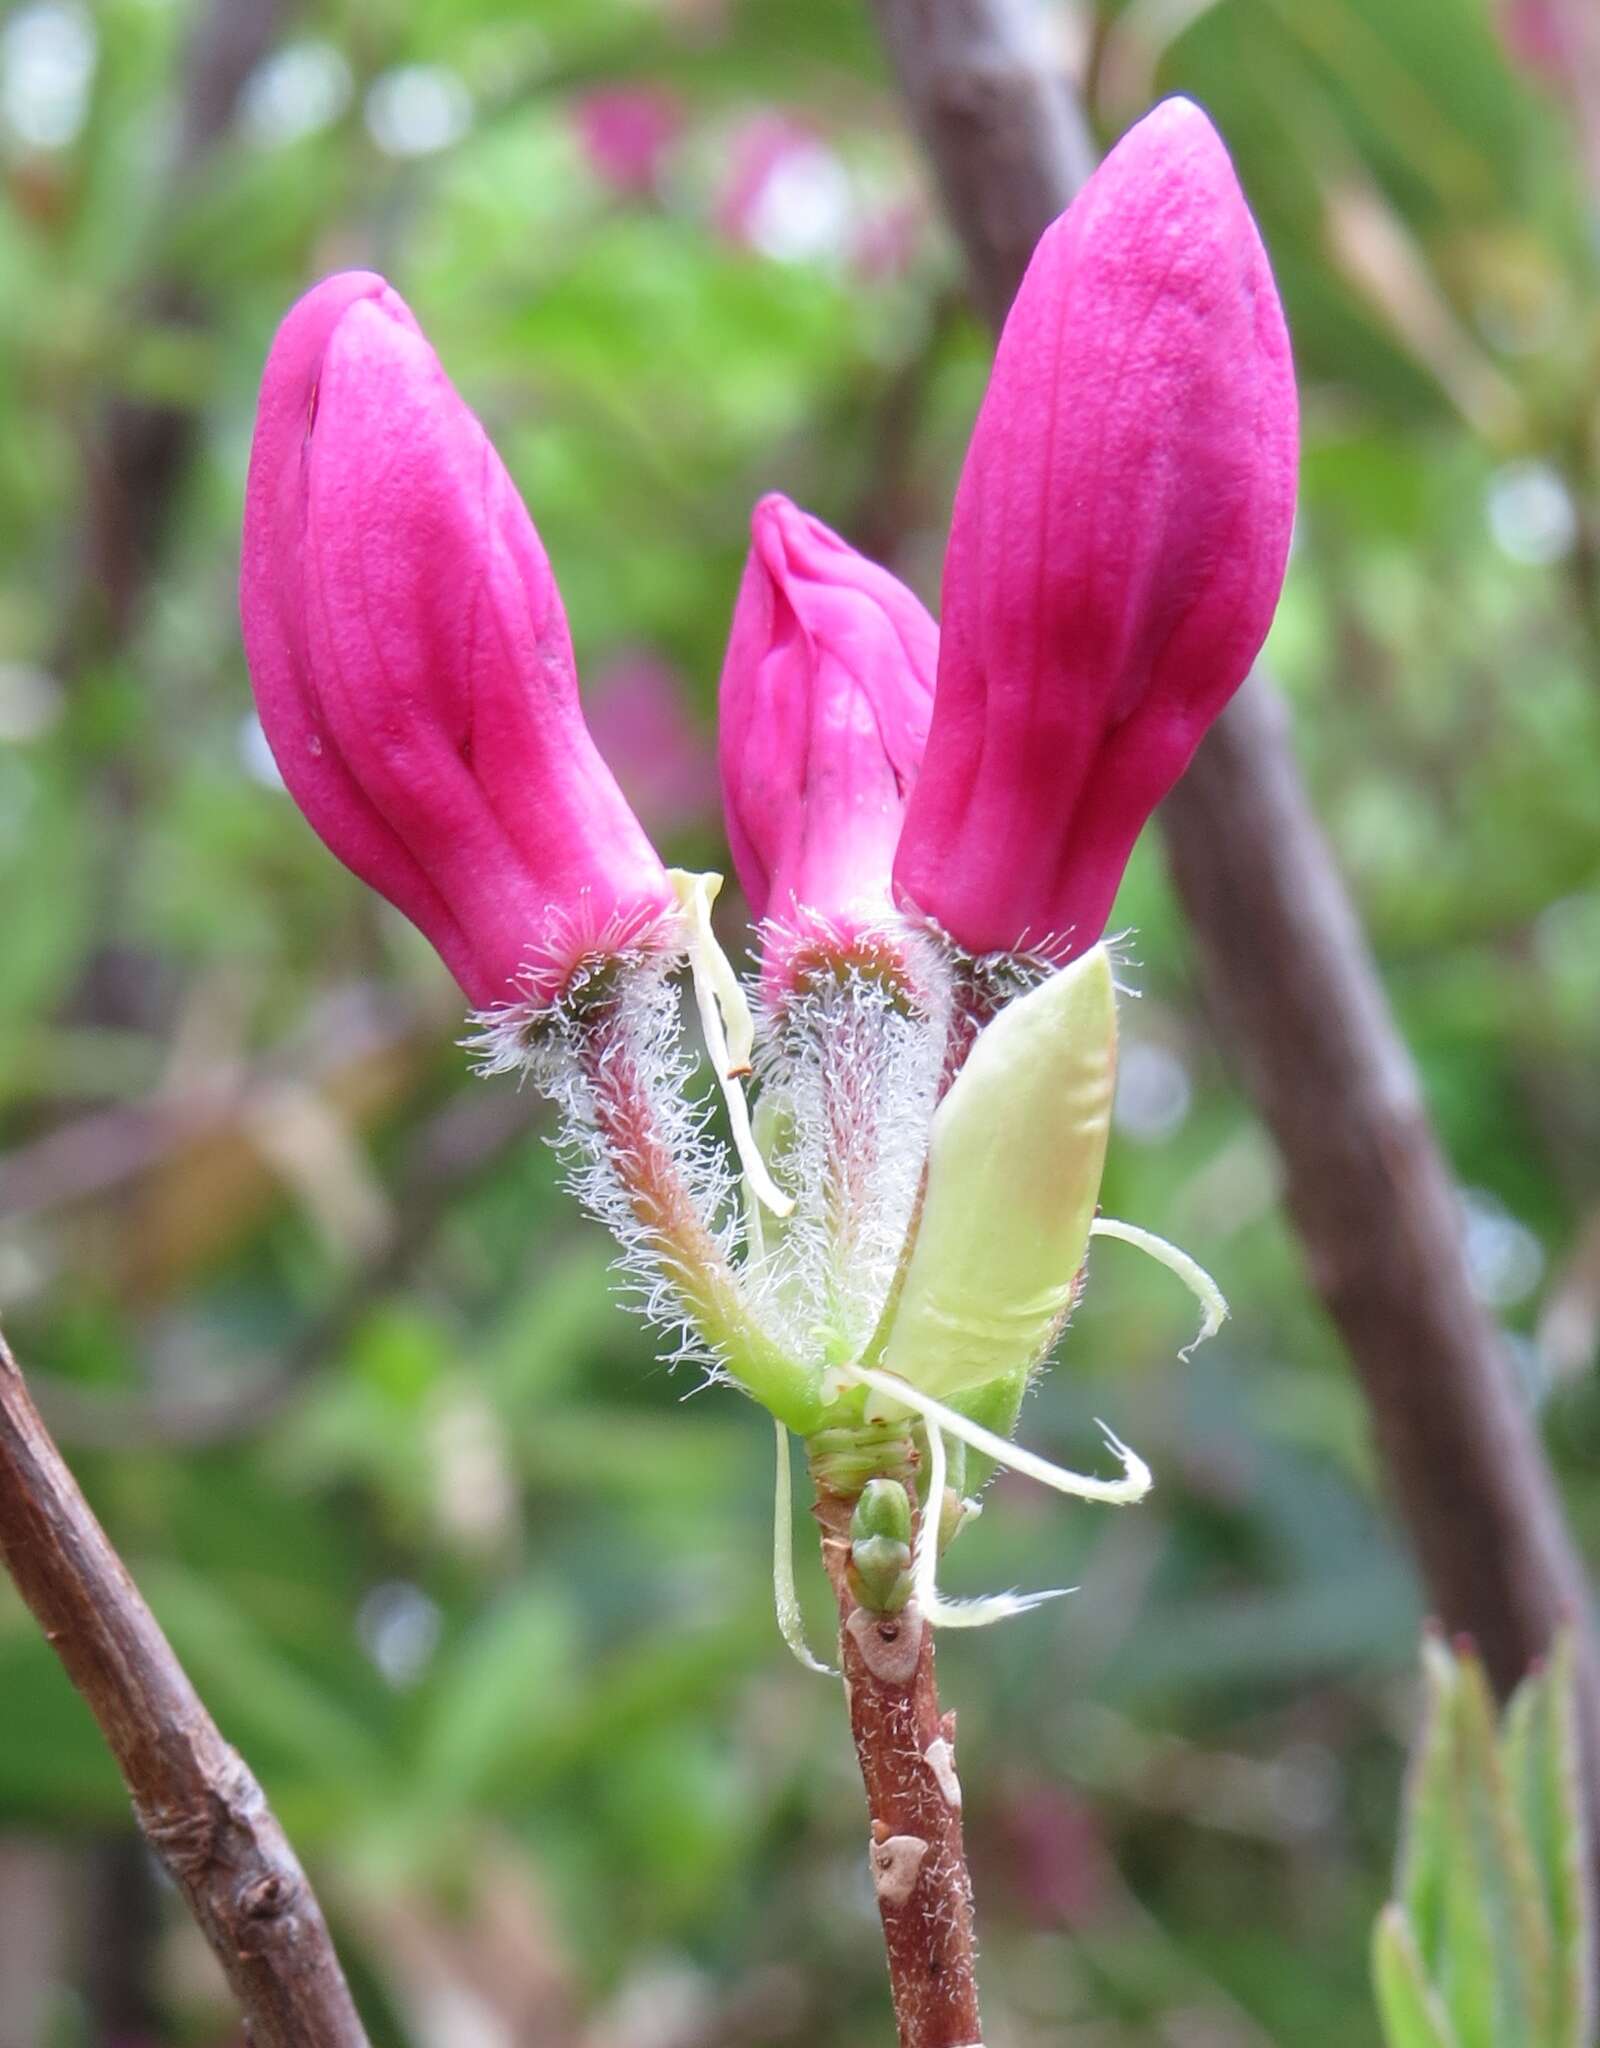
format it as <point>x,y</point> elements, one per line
<point>1412,2011</point>
<point>1542,1762</point>
<point>1486,1943</point>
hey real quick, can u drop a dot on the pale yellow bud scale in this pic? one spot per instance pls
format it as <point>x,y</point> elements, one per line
<point>1014,1166</point>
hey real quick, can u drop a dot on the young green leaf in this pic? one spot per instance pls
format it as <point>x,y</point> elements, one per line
<point>1490,1880</point>
<point>1540,1749</point>
<point>1413,2015</point>
<point>1494,1883</point>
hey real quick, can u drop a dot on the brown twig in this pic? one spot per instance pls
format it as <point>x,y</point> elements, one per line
<point>195,1800</point>
<point>906,1750</point>
<point>1294,985</point>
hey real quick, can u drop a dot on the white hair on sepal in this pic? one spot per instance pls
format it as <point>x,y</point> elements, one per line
<point>579,955</point>
<point>1125,964</point>
<point>848,1065</point>
<point>568,1057</point>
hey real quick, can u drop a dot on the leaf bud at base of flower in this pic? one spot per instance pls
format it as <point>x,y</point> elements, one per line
<point>879,1572</point>
<point>883,1511</point>
<point>879,1569</point>
<point>846,1457</point>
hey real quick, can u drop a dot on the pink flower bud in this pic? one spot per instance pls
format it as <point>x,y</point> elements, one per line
<point>411,660</point>
<point>825,697</point>
<point>1117,548</point>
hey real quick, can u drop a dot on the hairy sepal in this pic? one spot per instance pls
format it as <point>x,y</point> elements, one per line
<point>1014,1166</point>
<point>849,1069</point>
<point>640,1158</point>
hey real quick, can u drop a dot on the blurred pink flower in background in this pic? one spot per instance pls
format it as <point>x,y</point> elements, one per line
<point>626,133</point>
<point>1059,1860</point>
<point>888,239</point>
<point>1538,37</point>
<point>663,757</point>
<point>784,192</point>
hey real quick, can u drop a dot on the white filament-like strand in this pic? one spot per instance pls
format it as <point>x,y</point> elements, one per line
<point>936,1611</point>
<point>790,1624</point>
<point>1213,1307</point>
<point>728,1026</point>
<point>1134,1484</point>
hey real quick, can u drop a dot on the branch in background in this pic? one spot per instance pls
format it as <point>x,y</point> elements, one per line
<point>194,1798</point>
<point>1298,997</point>
<point>1293,984</point>
<point>886,505</point>
<point>35,1916</point>
<point>141,451</point>
<point>363,1049</point>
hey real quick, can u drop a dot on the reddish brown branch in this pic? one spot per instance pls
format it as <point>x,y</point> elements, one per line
<point>194,1798</point>
<point>906,1749</point>
<point>1294,985</point>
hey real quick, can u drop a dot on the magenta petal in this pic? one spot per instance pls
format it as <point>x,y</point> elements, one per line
<point>411,659</point>
<point>1117,548</point>
<point>825,697</point>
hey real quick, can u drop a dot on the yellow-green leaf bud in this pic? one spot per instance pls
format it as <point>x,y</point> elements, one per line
<point>884,1509</point>
<point>880,1546</point>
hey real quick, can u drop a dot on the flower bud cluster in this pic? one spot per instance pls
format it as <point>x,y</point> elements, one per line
<point>929,822</point>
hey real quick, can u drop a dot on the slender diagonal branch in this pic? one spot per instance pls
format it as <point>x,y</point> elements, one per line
<point>1293,983</point>
<point>194,1798</point>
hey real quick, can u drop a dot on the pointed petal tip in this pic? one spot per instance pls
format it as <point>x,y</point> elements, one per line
<point>768,509</point>
<point>326,303</point>
<point>791,542</point>
<point>307,331</point>
<point>1178,132</point>
<point>778,528</point>
<point>1178,119</point>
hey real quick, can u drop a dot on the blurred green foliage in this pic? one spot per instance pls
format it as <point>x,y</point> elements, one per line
<point>482,1597</point>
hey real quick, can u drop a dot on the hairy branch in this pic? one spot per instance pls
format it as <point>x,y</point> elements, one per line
<point>1292,981</point>
<point>194,1798</point>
